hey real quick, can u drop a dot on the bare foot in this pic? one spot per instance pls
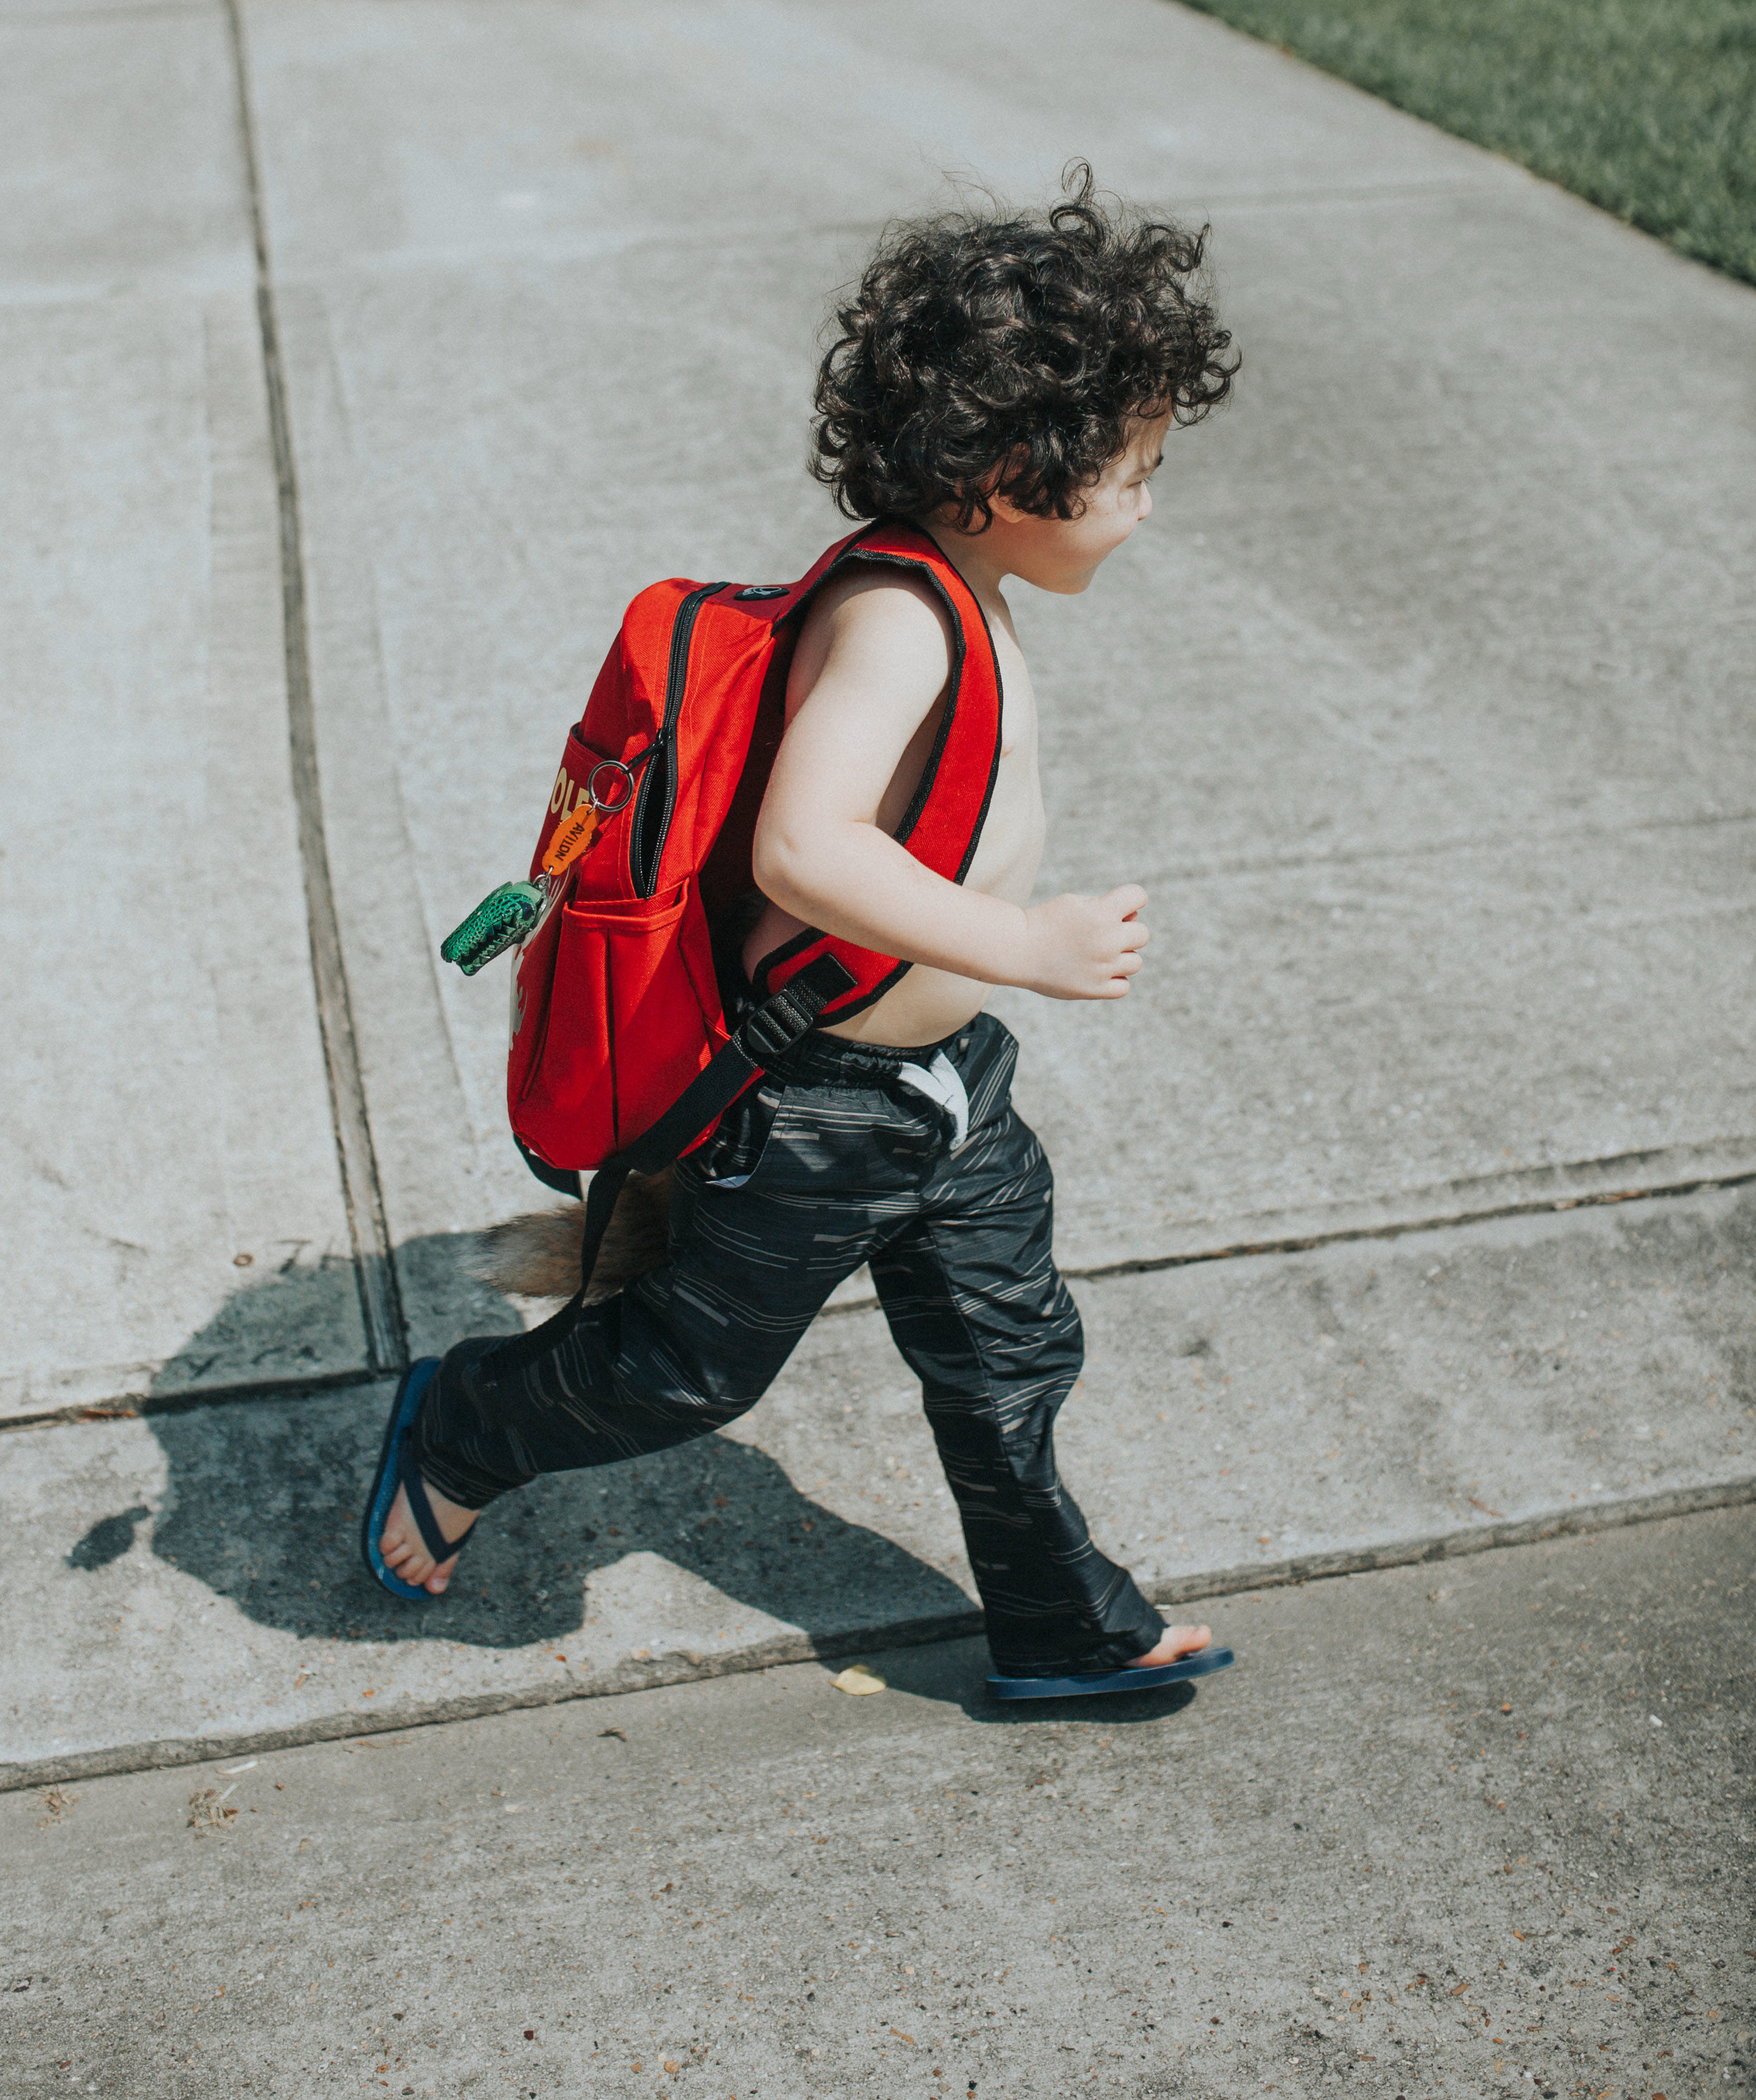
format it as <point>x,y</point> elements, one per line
<point>1175,1642</point>
<point>405,1551</point>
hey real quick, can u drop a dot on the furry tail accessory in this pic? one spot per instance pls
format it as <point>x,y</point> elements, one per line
<point>538,1255</point>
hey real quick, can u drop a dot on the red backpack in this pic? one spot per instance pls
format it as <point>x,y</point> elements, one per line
<point>621,1055</point>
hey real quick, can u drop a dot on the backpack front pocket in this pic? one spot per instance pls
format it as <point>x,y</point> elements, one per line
<point>632,1015</point>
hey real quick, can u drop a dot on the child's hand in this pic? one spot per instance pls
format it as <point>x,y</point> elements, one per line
<point>1085,947</point>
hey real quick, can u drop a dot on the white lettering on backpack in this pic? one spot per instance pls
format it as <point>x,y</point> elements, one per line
<point>567,797</point>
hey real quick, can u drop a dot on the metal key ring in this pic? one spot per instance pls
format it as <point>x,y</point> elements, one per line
<point>598,803</point>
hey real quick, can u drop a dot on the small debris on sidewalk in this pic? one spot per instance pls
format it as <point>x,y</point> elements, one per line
<point>857,1679</point>
<point>208,1810</point>
<point>56,1800</point>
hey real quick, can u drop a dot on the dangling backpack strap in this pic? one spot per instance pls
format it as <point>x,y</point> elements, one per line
<point>768,1033</point>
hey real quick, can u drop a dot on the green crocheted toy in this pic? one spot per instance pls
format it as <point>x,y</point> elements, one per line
<point>508,915</point>
<point>497,923</point>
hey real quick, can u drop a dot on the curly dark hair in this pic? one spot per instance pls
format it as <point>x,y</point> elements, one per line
<point>986,356</point>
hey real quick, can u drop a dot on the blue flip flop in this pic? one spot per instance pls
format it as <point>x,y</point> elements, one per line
<point>1198,1665</point>
<point>397,1468</point>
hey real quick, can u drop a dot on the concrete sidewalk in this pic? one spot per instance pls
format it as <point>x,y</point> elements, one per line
<point>165,1113</point>
<point>1421,707</point>
<point>1364,1405</point>
<point>1479,1830</point>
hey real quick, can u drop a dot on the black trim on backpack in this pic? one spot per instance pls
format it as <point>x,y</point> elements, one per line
<point>921,566</point>
<point>564,1181</point>
<point>658,797</point>
<point>930,772</point>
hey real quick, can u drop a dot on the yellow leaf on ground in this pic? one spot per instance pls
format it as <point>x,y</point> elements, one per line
<point>858,1680</point>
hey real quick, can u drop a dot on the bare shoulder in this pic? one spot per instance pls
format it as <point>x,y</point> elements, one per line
<point>897,601</point>
<point>875,626</point>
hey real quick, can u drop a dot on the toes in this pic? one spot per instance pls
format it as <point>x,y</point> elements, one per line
<point>403,1558</point>
<point>404,1552</point>
<point>1173,1644</point>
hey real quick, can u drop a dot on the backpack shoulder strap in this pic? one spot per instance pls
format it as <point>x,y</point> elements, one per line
<point>942,825</point>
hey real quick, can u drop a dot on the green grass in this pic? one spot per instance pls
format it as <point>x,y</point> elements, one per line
<point>1646,107</point>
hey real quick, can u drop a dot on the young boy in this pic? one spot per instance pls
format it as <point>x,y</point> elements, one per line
<point>1007,385</point>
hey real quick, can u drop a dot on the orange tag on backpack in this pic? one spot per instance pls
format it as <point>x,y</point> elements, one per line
<point>571,839</point>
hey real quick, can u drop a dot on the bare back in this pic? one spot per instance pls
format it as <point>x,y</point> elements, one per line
<point>929,1004</point>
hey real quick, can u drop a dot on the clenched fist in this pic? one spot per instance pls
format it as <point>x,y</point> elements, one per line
<point>1085,947</point>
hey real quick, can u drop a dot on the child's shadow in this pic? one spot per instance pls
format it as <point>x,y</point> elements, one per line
<point>264,1498</point>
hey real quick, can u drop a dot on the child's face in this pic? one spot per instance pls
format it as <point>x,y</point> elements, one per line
<point>1064,554</point>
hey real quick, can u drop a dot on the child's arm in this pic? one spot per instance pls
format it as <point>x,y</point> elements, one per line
<point>821,855</point>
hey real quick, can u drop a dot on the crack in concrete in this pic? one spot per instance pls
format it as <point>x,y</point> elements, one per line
<point>380,1306</point>
<point>681,1668</point>
<point>125,1408</point>
<point>1393,1228</point>
<point>1296,860</point>
<point>1387,1227</point>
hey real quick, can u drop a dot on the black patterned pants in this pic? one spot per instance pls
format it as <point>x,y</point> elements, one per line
<point>915,1161</point>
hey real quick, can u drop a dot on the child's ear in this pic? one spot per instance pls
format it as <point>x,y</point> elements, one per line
<point>1000,506</point>
<point>1008,513</point>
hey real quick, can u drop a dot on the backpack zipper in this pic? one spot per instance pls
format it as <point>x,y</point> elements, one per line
<point>677,677</point>
<point>644,863</point>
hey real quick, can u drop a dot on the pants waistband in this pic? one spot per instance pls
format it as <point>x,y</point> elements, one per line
<point>832,1059</point>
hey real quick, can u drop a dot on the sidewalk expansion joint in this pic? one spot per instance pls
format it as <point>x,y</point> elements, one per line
<point>684,1667</point>
<point>128,1407</point>
<point>1293,860</point>
<point>1395,1229</point>
<point>564,246</point>
<point>134,1406</point>
<point>1400,1227</point>
<point>380,1307</point>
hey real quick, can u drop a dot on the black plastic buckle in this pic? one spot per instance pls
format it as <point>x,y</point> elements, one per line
<point>787,1015</point>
